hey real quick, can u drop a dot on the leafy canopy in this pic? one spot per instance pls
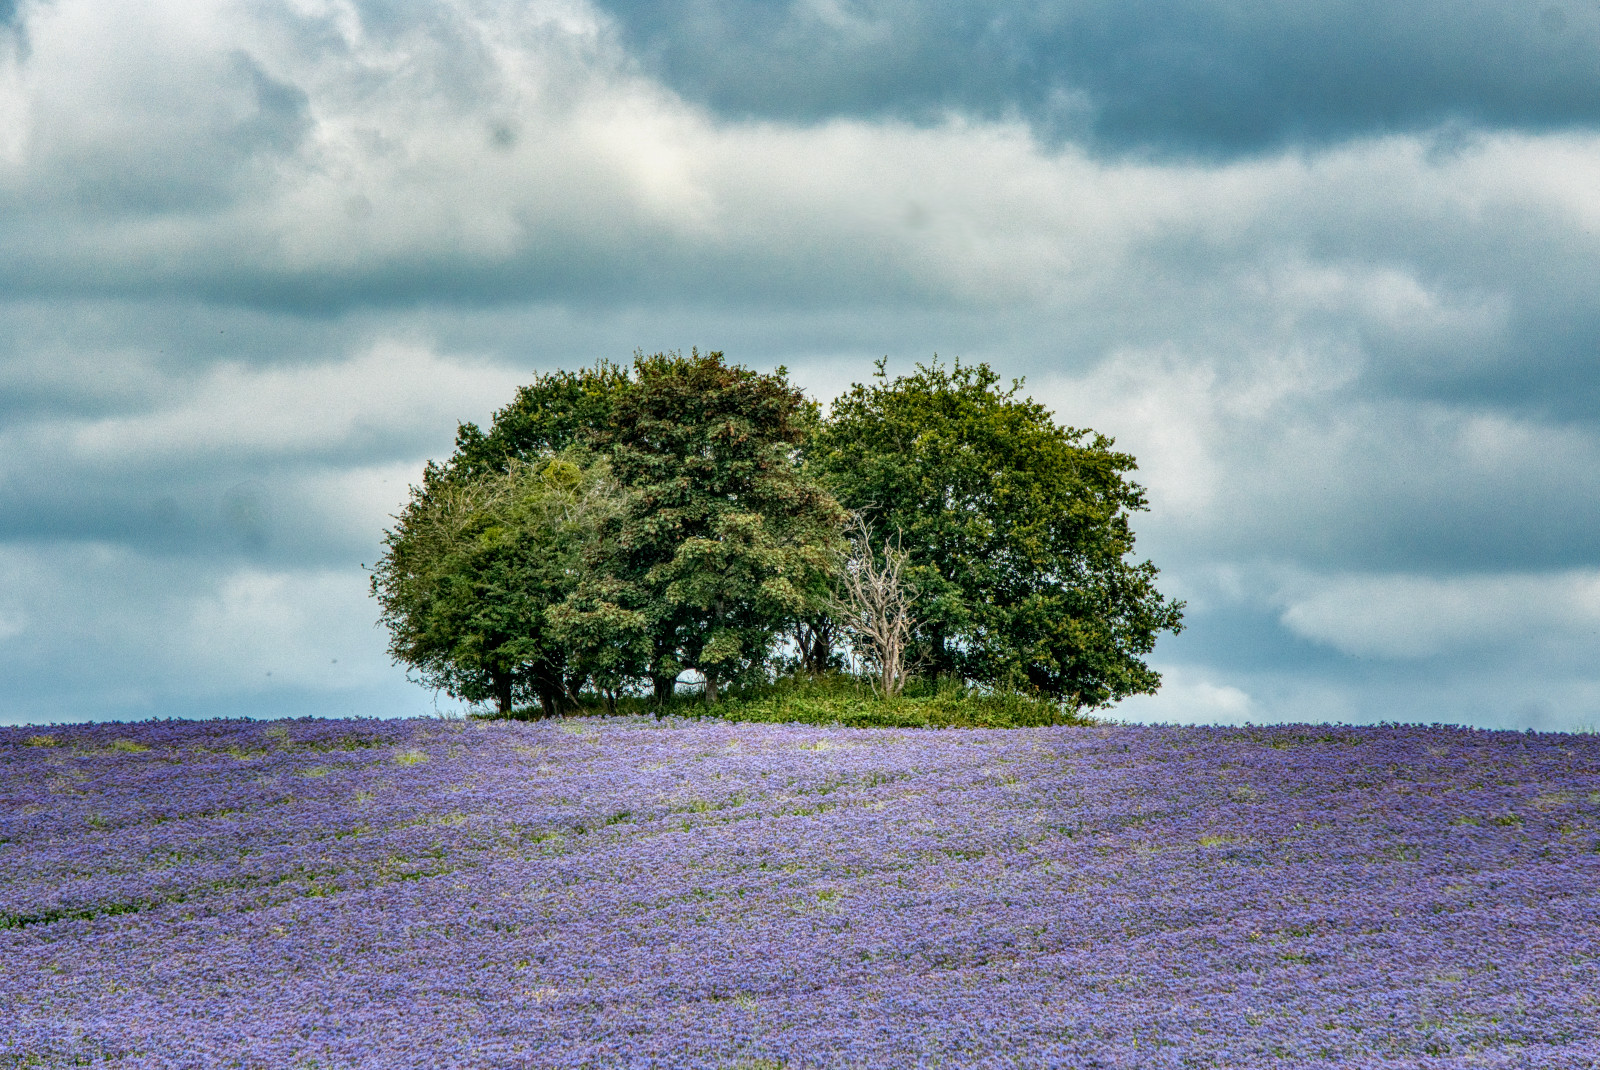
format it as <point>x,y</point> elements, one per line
<point>724,540</point>
<point>558,411</point>
<point>616,527</point>
<point>473,567</point>
<point>1017,531</point>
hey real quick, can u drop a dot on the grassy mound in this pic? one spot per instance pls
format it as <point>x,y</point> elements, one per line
<point>841,700</point>
<point>851,702</point>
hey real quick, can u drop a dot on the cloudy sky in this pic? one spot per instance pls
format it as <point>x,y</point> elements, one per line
<point>1328,270</point>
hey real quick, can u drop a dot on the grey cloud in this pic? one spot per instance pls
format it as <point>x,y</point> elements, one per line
<point>293,464</point>
<point>76,356</point>
<point>1330,477</point>
<point>1405,617</point>
<point>102,632</point>
<point>1519,698</point>
<point>1198,76</point>
<point>1371,357</point>
<point>1239,661</point>
<point>1400,490</point>
<point>207,512</point>
<point>280,117</point>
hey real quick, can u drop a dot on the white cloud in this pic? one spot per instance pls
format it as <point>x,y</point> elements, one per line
<point>12,624</point>
<point>14,119</point>
<point>1400,617</point>
<point>258,630</point>
<point>388,390</point>
<point>1183,413</point>
<point>1190,695</point>
<point>357,503</point>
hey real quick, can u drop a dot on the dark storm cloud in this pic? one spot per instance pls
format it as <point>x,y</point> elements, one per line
<point>1202,76</point>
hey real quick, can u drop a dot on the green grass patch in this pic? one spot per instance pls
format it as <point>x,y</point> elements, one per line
<point>841,700</point>
<point>844,700</point>
<point>851,702</point>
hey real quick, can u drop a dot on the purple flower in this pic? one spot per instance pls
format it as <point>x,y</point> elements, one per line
<point>633,893</point>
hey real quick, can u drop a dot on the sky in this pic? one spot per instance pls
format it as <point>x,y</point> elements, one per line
<point>1328,271</point>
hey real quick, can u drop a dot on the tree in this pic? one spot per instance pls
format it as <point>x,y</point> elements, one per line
<point>558,412</point>
<point>723,541</point>
<point>617,526</point>
<point>473,568</point>
<point>1016,531</point>
<point>874,605</point>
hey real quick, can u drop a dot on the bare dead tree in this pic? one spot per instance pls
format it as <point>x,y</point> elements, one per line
<point>874,605</point>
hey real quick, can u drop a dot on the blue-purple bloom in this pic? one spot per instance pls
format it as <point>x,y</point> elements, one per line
<point>634,893</point>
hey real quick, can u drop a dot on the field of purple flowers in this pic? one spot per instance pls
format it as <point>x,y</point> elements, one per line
<point>634,893</point>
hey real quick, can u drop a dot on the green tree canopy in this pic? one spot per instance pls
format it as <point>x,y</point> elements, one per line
<point>723,540</point>
<point>559,411</point>
<point>473,568</point>
<point>1017,531</point>
<point>616,527</point>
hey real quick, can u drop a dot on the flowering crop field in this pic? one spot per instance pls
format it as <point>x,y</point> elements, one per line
<point>635,893</point>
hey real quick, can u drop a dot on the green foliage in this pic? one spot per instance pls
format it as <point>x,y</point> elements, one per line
<point>473,567</point>
<point>851,702</point>
<point>616,527</point>
<point>837,699</point>
<point>722,540</point>
<point>557,412</point>
<point>1017,531</point>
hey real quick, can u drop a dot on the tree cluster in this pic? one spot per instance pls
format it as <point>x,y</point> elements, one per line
<point>617,528</point>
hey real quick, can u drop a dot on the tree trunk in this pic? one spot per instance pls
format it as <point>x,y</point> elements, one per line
<point>710,671</point>
<point>500,682</point>
<point>552,691</point>
<point>815,639</point>
<point>941,655</point>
